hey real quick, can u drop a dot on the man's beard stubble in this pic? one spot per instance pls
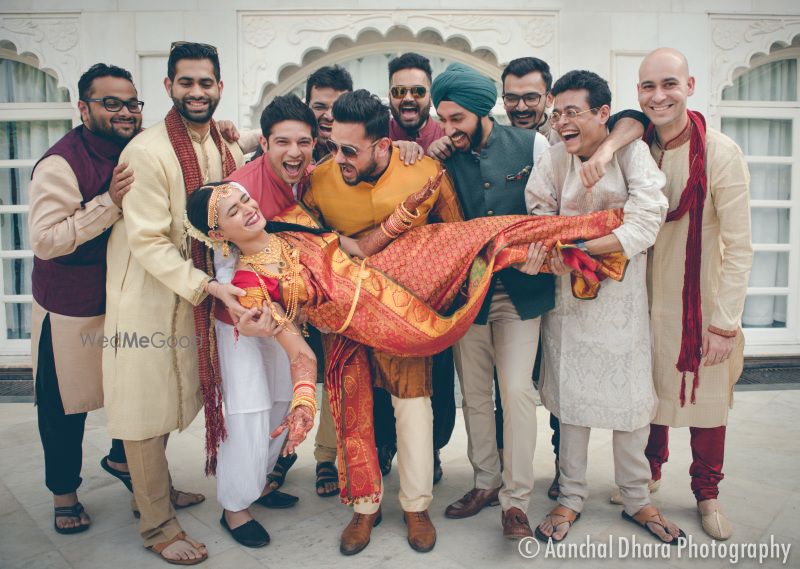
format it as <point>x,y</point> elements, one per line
<point>412,129</point>
<point>111,133</point>
<point>180,105</point>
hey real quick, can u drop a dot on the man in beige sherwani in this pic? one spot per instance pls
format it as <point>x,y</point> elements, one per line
<point>596,353</point>
<point>724,254</point>
<point>151,382</point>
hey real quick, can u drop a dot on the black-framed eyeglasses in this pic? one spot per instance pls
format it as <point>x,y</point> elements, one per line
<point>115,104</point>
<point>175,44</point>
<point>400,91</point>
<point>530,99</point>
<point>347,150</point>
<point>569,113</point>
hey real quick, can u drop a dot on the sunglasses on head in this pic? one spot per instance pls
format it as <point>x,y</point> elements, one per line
<point>400,91</point>
<point>347,151</point>
<point>175,44</point>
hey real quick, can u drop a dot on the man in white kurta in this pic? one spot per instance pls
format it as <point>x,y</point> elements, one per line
<point>597,361</point>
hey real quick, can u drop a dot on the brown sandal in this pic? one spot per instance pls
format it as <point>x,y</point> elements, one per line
<point>173,497</point>
<point>194,498</point>
<point>642,518</point>
<point>160,547</point>
<point>566,515</point>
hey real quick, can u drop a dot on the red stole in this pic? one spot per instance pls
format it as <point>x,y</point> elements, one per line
<point>692,201</point>
<point>207,357</point>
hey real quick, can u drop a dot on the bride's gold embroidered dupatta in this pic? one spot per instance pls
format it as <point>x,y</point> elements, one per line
<point>415,298</point>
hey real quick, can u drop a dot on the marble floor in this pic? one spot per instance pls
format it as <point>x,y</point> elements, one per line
<point>761,494</point>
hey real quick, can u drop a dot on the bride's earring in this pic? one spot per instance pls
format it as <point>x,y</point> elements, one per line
<point>226,250</point>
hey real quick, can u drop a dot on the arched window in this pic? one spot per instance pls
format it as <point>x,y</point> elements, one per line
<point>760,111</point>
<point>34,114</point>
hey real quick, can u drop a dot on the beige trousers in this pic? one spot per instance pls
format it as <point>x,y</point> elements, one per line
<point>631,469</point>
<point>147,461</point>
<point>508,344</point>
<point>414,423</point>
<point>325,441</point>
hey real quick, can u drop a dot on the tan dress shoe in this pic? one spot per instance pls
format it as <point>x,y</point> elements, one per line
<point>471,503</point>
<point>355,536</point>
<point>716,524</point>
<point>421,533</point>
<point>616,495</point>
<point>515,524</point>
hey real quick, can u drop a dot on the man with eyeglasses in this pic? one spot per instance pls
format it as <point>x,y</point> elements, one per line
<point>410,77</point>
<point>158,294</point>
<point>352,193</point>
<point>597,352</point>
<point>76,195</point>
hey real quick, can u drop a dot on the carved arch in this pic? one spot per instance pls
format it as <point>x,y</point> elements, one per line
<point>738,42</point>
<point>275,46</point>
<point>53,39</point>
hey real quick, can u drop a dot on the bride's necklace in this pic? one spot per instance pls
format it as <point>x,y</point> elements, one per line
<point>278,252</point>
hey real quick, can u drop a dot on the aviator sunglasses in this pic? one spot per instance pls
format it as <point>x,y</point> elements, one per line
<point>400,91</point>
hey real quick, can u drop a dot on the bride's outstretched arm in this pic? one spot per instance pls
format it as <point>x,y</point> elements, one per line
<point>393,226</point>
<point>300,419</point>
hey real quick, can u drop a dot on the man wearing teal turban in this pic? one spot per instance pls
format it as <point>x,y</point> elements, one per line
<point>490,166</point>
<point>465,86</point>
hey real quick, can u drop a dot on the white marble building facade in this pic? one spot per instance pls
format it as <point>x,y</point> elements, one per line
<point>743,53</point>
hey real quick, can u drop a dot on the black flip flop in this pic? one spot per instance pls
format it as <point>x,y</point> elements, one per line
<point>327,473</point>
<point>124,477</point>
<point>644,525</point>
<point>277,477</point>
<point>69,512</point>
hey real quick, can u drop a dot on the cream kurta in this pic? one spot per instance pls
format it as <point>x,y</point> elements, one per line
<point>597,353</point>
<point>725,266</point>
<point>59,224</point>
<point>153,388</point>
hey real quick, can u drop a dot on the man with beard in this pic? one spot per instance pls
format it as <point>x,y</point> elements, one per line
<point>158,298</point>
<point>323,88</point>
<point>76,195</point>
<point>707,240</point>
<point>490,167</point>
<point>353,193</point>
<point>410,79</point>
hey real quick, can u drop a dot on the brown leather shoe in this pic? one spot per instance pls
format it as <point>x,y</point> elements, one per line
<point>471,503</point>
<point>515,524</point>
<point>421,533</point>
<point>355,536</point>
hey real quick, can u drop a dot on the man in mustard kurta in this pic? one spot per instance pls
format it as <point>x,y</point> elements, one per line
<point>150,367</point>
<point>697,278</point>
<point>352,193</point>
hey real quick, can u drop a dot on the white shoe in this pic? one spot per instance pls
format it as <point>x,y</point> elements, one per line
<point>616,495</point>
<point>716,525</point>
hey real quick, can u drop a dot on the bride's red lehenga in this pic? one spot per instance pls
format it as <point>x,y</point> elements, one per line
<point>415,298</point>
